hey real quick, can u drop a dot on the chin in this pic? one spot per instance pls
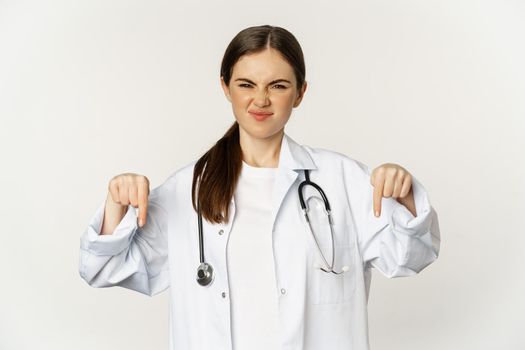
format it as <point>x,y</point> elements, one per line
<point>262,132</point>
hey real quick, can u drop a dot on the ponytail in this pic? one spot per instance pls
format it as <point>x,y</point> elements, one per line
<point>216,173</point>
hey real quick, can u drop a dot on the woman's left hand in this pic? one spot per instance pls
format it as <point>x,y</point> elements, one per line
<point>392,180</point>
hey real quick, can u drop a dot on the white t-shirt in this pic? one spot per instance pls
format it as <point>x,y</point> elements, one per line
<point>251,273</point>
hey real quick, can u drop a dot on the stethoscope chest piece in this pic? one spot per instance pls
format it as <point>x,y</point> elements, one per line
<point>205,274</point>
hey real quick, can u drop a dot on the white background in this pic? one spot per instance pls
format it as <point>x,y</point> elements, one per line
<point>92,89</point>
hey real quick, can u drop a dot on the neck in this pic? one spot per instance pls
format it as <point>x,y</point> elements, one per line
<point>261,152</point>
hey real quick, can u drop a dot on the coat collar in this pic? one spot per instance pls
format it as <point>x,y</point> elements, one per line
<point>294,156</point>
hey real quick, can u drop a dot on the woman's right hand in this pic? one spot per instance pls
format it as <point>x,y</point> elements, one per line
<point>129,188</point>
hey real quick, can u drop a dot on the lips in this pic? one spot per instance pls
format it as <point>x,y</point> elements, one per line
<point>260,116</point>
<point>260,113</point>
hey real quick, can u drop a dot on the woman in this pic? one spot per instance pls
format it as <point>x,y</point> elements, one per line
<point>272,276</point>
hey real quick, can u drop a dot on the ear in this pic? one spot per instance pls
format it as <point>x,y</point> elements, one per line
<point>300,95</point>
<point>226,89</point>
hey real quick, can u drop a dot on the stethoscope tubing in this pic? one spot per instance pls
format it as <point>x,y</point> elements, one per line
<point>205,273</point>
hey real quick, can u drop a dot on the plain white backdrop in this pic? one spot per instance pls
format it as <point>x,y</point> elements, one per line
<point>92,89</point>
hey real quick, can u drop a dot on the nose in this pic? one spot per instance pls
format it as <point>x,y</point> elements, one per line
<point>261,98</point>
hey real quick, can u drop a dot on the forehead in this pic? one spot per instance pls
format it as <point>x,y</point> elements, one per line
<point>265,65</point>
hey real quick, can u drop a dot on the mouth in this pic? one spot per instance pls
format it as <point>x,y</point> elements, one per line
<point>260,115</point>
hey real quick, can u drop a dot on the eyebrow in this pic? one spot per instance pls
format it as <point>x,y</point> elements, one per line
<point>272,82</point>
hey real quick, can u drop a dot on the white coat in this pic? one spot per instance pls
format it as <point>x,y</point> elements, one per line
<point>317,310</point>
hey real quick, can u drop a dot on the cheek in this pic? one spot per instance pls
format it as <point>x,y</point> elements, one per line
<point>284,102</point>
<point>287,98</point>
<point>239,100</point>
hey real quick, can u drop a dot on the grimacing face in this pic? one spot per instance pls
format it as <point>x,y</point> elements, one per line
<point>263,82</point>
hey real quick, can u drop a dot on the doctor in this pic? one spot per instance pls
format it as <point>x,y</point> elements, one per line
<point>263,273</point>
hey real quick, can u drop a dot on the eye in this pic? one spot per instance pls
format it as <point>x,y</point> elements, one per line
<point>244,85</point>
<point>281,86</point>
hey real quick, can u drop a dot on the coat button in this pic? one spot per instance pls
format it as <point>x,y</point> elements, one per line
<point>224,294</point>
<point>283,291</point>
<point>221,232</point>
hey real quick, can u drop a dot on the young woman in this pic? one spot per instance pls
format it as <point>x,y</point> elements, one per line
<point>255,270</point>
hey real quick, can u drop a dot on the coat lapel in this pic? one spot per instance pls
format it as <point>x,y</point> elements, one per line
<point>293,158</point>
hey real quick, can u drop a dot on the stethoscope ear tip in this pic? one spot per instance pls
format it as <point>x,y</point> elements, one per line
<point>344,269</point>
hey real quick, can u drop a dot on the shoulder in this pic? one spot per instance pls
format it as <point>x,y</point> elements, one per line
<point>326,158</point>
<point>175,184</point>
<point>183,174</point>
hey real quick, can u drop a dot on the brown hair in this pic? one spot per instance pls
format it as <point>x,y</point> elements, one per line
<point>218,170</point>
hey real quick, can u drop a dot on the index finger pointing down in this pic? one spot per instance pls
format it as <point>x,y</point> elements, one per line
<point>378,195</point>
<point>143,204</point>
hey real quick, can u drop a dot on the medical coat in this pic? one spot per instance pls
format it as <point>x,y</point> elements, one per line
<point>317,310</point>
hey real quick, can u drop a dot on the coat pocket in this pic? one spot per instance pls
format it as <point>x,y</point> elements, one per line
<point>328,287</point>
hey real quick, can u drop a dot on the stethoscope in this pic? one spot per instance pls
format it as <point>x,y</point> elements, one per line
<point>205,272</point>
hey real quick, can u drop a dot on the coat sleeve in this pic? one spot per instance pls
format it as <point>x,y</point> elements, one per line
<point>397,243</point>
<point>132,257</point>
